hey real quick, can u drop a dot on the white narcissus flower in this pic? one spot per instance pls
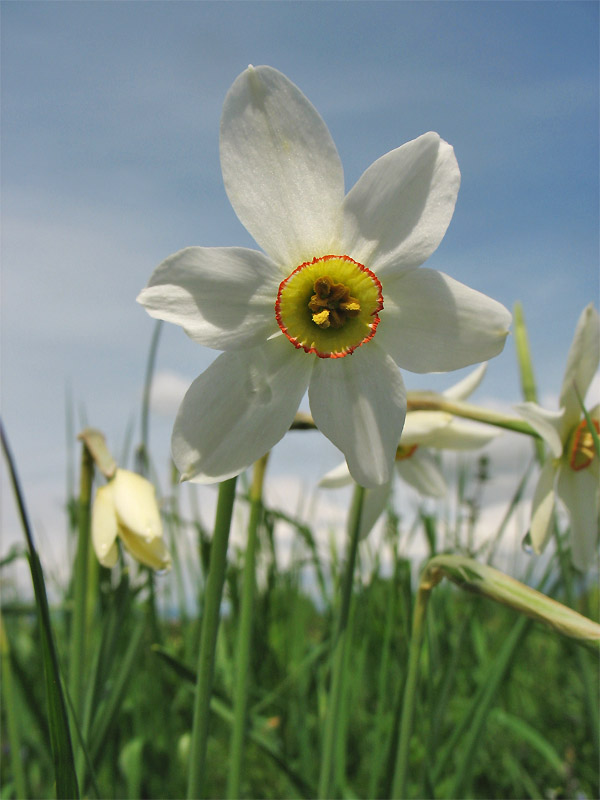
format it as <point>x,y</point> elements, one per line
<point>126,507</point>
<point>336,303</point>
<point>572,471</point>
<point>415,464</point>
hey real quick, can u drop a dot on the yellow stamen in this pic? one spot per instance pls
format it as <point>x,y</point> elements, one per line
<point>332,303</point>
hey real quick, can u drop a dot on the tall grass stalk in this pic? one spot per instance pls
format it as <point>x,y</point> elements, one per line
<point>79,614</point>
<point>244,634</point>
<point>340,644</point>
<point>60,736</point>
<point>410,691</point>
<point>142,451</point>
<point>208,638</point>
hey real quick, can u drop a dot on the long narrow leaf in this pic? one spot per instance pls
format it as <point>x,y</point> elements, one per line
<point>60,737</point>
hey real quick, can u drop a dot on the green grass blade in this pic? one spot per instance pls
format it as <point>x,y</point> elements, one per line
<point>224,710</point>
<point>12,716</point>
<point>525,732</point>
<point>110,709</point>
<point>60,737</point>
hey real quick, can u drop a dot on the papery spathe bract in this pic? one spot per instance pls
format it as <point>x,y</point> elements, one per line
<point>336,303</point>
<point>126,508</point>
<point>572,469</point>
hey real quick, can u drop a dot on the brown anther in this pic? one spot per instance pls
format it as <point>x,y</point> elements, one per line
<point>405,451</point>
<point>581,451</point>
<point>336,300</point>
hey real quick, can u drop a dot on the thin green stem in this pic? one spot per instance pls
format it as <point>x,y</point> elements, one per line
<point>208,638</point>
<point>142,451</point>
<point>429,401</point>
<point>410,692</point>
<point>343,635</point>
<point>244,637</point>
<point>80,614</point>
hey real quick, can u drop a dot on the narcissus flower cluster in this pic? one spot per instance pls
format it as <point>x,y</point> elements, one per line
<point>335,304</point>
<point>572,471</point>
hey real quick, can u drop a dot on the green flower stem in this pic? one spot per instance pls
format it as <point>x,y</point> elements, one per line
<point>208,637</point>
<point>142,451</point>
<point>244,637</point>
<point>528,384</point>
<point>342,638</point>
<point>410,691</point>
<point>12,718</point>
<point>430,401</point>
<point>80,615</point>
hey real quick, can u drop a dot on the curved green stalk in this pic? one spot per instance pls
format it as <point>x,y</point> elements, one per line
<point>208,638</point>
<point>244,637</point>
<point>343,635</point>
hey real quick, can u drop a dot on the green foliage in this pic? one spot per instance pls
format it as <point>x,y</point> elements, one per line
<point>502,706</point>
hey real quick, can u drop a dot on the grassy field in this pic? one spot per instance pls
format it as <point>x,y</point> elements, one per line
<point>503,707</point>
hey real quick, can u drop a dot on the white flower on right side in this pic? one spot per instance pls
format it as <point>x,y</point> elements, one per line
<point>416,465</point>
<point>572,470</point>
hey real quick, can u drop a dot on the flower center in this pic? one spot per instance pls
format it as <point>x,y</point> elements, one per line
<point>405,451</point>
<point>329,306</point>
<point>581,445</point>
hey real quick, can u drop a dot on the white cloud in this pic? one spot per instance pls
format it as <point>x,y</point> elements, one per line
<point>168,389</point>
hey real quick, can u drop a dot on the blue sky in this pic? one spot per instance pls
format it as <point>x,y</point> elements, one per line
<point>110,120</point>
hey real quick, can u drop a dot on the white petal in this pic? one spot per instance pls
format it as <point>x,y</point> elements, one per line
<point>582,363</point>
<point>238,409</point>
<point>420,426</point>
<point>547,423</point>
<point>422,473</point>
<point>397,213</point>
<point>105,527</point>
<point>465,388</point>
<point>374,504</point>
<point>337,477</point>
<point>580,492</point>
<point>432,323</point>
<point>462,436</point>
<point>223,297</point>
<point>282,173</point>
<point>153,554</point>
<point>135,504</point>
<point>542,507</point>
<point>359,403</point>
